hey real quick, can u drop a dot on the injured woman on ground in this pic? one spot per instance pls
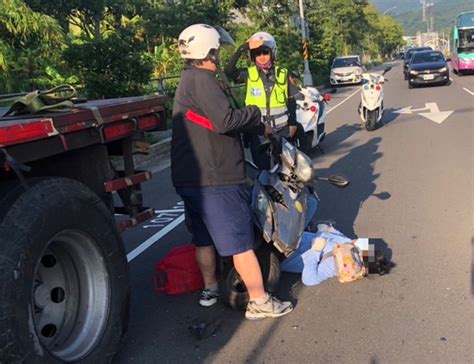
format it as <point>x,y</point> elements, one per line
<point>314,257</point>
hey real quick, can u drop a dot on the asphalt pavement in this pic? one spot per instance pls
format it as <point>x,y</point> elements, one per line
<point>411,188</point>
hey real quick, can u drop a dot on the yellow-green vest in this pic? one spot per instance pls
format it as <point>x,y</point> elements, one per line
<point>274,111</point>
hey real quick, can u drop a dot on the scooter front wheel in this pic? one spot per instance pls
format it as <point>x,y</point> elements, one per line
<point>371,122</point>
<point>232,288</point>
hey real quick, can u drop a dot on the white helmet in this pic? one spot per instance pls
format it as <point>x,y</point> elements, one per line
<point>197,40</point>
<point>268,40</point>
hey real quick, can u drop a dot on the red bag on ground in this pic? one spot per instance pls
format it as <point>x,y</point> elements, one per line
<point>178,272</point>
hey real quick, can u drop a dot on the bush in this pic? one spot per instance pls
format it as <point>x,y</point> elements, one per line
<point>115,66</point>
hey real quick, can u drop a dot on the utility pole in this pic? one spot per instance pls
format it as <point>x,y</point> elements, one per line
<point>307,77</point>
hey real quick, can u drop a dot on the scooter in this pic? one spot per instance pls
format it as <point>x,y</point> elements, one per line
<point>311,110</point>
<point>284,202</point>
<point>371,98</point>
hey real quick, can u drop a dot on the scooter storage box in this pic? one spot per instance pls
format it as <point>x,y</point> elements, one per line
<point>178,272</point>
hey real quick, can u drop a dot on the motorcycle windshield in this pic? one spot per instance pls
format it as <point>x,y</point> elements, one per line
<point>225,38</point>
<point>289,223</point>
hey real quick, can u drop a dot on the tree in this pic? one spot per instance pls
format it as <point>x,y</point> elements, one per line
<point>92,17</point>
<point>163,22</point>
<point>28,41</point>
<point>390,35</point>
<point>112,67</point>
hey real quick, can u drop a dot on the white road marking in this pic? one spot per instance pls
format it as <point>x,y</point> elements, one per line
<point>434,114</point>
<point>153,239</point>
<point>468,91</point>
<point>343,101</point>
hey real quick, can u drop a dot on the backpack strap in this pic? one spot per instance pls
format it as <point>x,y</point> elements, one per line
<point>326,256</point>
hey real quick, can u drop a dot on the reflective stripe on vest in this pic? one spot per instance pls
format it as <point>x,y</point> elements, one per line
<point>276,112</point>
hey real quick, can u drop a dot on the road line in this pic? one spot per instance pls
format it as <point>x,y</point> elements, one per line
<point>343,101</point>
<point>468,91</point>
<point>153,239</point>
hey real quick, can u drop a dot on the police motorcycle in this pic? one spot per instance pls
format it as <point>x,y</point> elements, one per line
<point>284,202</point>
<point>371,98</point>
<point>311,111</point>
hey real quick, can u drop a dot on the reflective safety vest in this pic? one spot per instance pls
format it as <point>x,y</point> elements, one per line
<point>274,110</point>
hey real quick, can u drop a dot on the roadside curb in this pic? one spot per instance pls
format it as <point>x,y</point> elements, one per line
<point>157,152</point>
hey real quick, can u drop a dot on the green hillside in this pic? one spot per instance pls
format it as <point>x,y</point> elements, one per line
<point>408,13</point>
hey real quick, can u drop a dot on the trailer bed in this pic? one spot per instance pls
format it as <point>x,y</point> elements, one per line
<point>32,137</point>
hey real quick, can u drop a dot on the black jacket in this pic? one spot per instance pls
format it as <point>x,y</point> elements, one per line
<point>205,148</point>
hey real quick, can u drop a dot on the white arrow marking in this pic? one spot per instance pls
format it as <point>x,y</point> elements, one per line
<point>405,110</point>
<point>468,91</point>
<point>434,114</point>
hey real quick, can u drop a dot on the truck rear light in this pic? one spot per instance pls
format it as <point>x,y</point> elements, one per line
<point>148,122</point>
<point>25,132</point>
<point>118,131</point>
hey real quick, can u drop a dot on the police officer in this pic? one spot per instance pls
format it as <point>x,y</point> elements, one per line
<point>268,88</point>
<point>207,166</point>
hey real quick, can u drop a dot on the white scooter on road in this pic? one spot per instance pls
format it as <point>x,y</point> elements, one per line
<point>371,98</point>
<point>311,110</point>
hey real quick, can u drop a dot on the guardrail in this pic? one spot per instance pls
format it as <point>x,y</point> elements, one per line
<point>163,89</point>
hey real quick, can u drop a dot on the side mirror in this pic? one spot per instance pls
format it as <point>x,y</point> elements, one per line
<point>338,181</point>
<point>335,180</point>
<point>327,97</point>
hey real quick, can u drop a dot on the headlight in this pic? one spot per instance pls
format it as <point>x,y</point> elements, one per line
<point>444,69</point>
<point>304,170</point>
<point>414,72</point>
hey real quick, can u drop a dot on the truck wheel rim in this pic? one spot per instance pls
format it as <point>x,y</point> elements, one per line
<point>71,296</point>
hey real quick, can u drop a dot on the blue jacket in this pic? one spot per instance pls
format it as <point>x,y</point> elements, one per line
<point>308,262</point>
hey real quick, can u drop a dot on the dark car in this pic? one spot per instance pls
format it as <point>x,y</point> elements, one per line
<point>427,67</point>
<point>408,55</point>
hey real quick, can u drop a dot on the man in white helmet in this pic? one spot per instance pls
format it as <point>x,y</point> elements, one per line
<point>268,87</point>
<point>207,165</point>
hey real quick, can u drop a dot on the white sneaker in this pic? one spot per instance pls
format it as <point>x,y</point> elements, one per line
<point>208,297</point>
<point>272,307</point>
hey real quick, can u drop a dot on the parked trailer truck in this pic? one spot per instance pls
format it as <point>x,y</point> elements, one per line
<point>64,288</point>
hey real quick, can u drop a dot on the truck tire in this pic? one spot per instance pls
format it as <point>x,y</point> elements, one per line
<point>64,291</point>
<point>232,288</point>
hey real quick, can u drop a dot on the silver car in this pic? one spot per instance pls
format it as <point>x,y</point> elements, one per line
<point>346,70</point>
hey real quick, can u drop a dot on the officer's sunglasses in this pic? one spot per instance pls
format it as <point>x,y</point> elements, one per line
<point>260,52</point>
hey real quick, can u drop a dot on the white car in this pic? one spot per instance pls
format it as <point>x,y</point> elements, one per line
<point>346,70</point>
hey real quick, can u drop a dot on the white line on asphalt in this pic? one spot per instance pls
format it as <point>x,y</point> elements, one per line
<point>469,91</point>
<point>153,239</point>
<point>343,101</point>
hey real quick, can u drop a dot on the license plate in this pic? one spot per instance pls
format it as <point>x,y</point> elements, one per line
<point>428,77</point>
